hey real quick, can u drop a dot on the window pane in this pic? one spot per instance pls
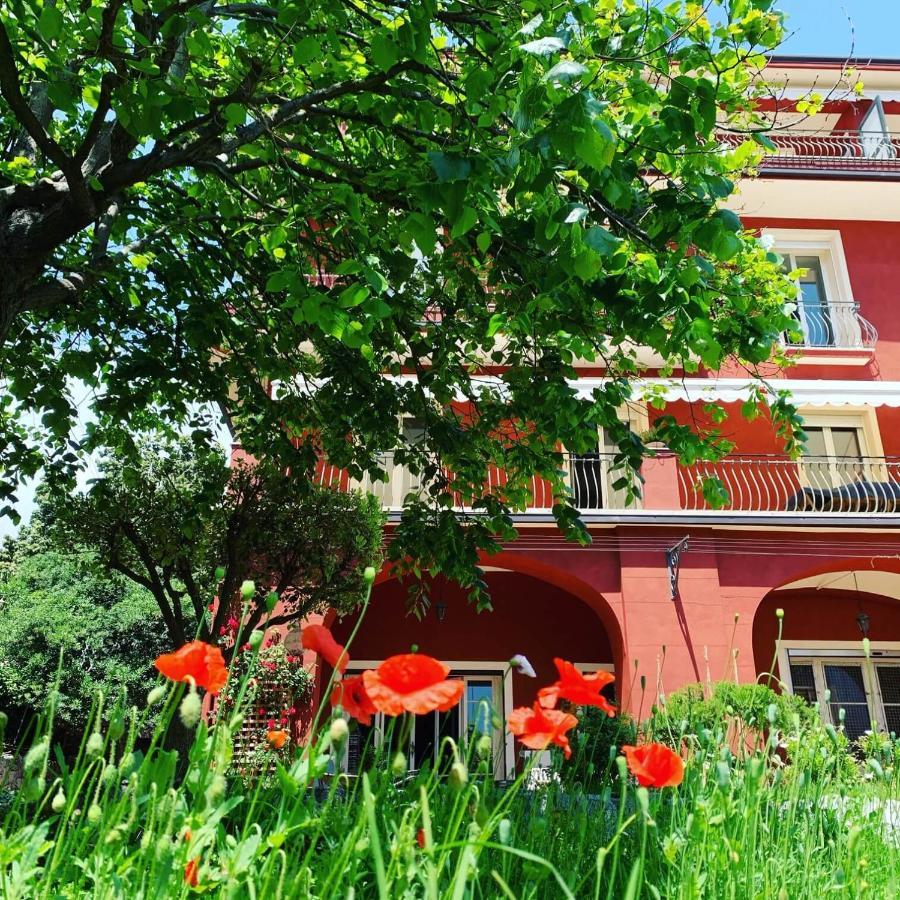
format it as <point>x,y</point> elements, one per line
<point>815,440</point>
<point>360,745</point>
<point>819,332</point>
<point>848,692</point>
<point>586,478</point>
<point>846,442</point>
<point>889,682</point>
<point>804,681</point>
<point>479,706</point>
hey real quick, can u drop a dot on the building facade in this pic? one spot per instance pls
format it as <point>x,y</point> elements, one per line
<point>671,590</point>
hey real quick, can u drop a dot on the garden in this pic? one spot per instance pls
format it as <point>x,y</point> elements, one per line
<point>726,791</point>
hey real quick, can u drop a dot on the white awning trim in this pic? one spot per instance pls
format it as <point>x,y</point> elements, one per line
<point>803,392</point>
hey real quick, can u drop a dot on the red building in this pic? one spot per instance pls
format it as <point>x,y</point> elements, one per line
<point>672,591</point>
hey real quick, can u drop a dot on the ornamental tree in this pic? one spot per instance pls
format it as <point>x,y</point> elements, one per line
<point>180,524</point>
<point>266,208</point>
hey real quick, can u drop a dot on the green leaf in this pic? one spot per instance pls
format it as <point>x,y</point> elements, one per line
<point>545,46</point>
<point>566,70</point>
<point>385,51</point>
<point>597,145</point>
<point>306,51</point>
<point>449,167</point>
<point>466,221</point>
<point>483,241</point>
<point>353,295</point>
<point>235,114</point>
<point>601,240</point>
<point>50,22</point>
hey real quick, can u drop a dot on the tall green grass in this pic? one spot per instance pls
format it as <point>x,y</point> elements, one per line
<point>126,816</point>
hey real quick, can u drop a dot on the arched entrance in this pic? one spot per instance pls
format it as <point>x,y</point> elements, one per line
<point>820,656</point>
<point>530,616</point>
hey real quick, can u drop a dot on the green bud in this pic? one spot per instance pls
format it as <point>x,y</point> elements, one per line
<point>58,804</point>
<point>116,726</point>
<point>126,763</point>
<point>338,732</point>
<point>220,573</point>
<point>779,613</point>
<point>190,709</point>
<point>35,757</point>
<point>95,744</point>
<point>255,640</point>
<point>271,601</point>
<point>34,787</point>
<point>216,789</point>
<point>772,713</point>
<point>110,774</point>
<point>94,813</point>
<point>459,777</point>
<point>484,746</point>
<point>369,574</point>
<point>156,695</point>
<point>398,766</point>
<point>248,589</point>
<point>114,836</point>
<point>503,831</point>
<point>643,798</point>
<point>4,719</point>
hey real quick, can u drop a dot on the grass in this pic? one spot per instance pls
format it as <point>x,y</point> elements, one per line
<point>127,818</point>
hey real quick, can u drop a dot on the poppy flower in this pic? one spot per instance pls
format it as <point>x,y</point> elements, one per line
<point>420,838</point>
<point>350,693</point>
<point>198,662</point>
<point>538,728</point>
<point>320,640</point>
<point>581,690</point>
<point>654,765</point>
<point>277,737</point>
<point>191,871</point>
<point>412,682</point>
<point>521,664</point>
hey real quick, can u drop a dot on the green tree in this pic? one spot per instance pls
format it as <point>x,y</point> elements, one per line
<point>268,207</point>
<point>59,610</point>
<point>179,523</point>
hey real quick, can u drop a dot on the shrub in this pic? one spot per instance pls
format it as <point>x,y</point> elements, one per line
<point>595,745</point>
<point>104,631</point>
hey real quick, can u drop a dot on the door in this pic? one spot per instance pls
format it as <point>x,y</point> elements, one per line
<point>814,314</point>
<point>834,457</point>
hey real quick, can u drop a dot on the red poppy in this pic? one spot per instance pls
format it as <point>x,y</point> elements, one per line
<point>191,871</point>
<point>538,728</point>
<point>320,640</point>
<point>654,765</point>
<point>420,838</point>
<point>350,693</point>
<point>277,737</point>
<point>198,662</point>
<point>581,690</point>
<point>412,682</point>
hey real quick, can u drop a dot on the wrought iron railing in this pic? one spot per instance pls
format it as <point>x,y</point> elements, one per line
<point>830,151</point>
<point>764,483</point>
<point>740,483</point>
<point>838,325</point>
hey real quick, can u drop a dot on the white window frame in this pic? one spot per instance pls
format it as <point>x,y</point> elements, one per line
<point>504,749</point>
<point>827,247</point>
<point>865,422</point>
<point>819,653</point>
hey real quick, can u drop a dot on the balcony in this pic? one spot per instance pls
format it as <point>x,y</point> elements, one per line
<point>838,153</point>
<point>761,486</point>
<point>831,326</point>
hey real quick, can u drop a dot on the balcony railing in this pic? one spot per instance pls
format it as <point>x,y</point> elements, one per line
<point>746,484</point>
<point>837,325</point>
<point>838,152</point>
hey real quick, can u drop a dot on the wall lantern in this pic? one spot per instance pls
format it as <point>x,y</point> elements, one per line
<point>862,620</point>
<point>441,611</point>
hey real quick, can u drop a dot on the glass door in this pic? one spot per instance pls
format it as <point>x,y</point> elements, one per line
<point>813,313</point>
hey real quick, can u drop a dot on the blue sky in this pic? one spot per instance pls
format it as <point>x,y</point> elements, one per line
<point>828,27</point>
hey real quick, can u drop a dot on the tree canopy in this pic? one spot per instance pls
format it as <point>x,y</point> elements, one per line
<point>266,208</point>
<point>185,528</point>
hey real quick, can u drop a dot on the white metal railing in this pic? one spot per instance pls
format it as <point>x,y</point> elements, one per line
<point>835,151</point>
<point>746,483</point>
<point>760,483</point>
<point>839,325</point>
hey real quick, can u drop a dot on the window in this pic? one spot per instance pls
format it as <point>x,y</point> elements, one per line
<point>826,312</point>
<point>834,455</point>
<point>835,680</point>
<point>874,139</point>
<point>481,710</point>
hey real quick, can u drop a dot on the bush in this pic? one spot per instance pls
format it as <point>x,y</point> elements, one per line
<point>595,745</point>
<point>105,630</point>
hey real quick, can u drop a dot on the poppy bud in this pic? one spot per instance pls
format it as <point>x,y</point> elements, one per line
<point>779,613</point>
<point>220,573</point>
<point>248,589</point>
<point>59,801</point>
<point>94,813</point>
<point>271,601</point>
<point>116,726</point>
<point>190,709</point>
<point>256,639</point>
<point>369,574</point>
<point>338,732</point>
<point>398,766</point>
<point>126,763</point>
<point>216,789</point>
<point>156,695</point>
<point>114,836</point>
<point>503,830</point>
<point>459,777</point>
<point>34,788</point>
<point>3,720</point>
<point>521,664</point>
<point>35,757</point>
<point>95,744</point>
<point>110,772</point>
<point>485,745</point>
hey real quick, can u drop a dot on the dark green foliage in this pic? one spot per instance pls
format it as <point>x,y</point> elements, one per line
<point>107,629</point>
